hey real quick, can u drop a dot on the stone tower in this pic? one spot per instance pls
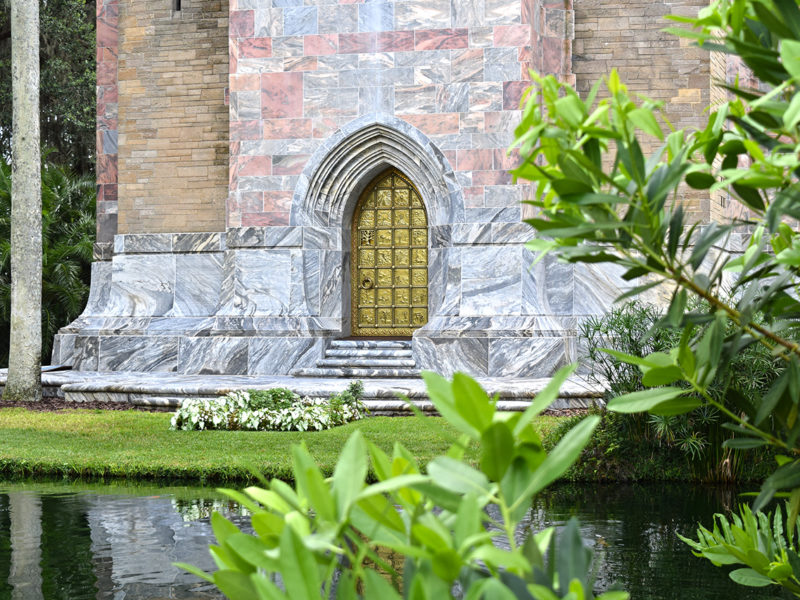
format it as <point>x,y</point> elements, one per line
<point>274,175</point>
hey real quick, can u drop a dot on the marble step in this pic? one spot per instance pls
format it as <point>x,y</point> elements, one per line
<point>356,372</point>
<point>366,362</point>
<point>363,344</point>
<point>368,352</point>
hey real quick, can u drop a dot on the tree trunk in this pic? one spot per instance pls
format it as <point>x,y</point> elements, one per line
<point>24,365</point>
<point>25,576</point>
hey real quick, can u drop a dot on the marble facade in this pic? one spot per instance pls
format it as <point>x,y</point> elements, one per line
<point>321,99</point>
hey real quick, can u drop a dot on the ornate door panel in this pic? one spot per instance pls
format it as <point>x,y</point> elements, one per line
<point>389,268</point>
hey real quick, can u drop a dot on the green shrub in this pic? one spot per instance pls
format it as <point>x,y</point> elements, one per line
<point>641,446</point>
<point>68,234</point>
<point>278,409</point>
<point>274,399</point>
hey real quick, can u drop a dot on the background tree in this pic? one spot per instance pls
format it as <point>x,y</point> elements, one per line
<point>68,233</point>
<point>67,89</point>
<point>24,367</point>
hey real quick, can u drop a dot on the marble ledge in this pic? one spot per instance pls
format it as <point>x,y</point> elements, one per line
<point>103,251</point>
<point>161,243</point>
<point>491,234</point>
<point>227,326</point>
<point>499,327</point>
<point>165,385</point>
<point>286,236</point>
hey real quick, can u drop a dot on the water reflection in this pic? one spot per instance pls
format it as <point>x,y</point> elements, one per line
<point>632,529</point>
<point>62,543</point>
<point>72,542</point>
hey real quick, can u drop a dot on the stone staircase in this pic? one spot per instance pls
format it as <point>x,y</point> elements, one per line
<point>364,358</point>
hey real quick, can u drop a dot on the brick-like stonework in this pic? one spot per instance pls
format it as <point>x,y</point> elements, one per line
<point>107,126</point>
<point>453,70</point>
<point>173,120</point>
<point>627,35</point>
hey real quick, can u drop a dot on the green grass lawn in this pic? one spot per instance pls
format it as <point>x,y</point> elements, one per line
<point>139,445</point>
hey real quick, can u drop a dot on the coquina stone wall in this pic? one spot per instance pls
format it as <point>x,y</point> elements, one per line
<point>322,98</point>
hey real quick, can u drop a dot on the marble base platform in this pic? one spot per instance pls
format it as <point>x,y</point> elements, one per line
<point>271,300</point>
<point>382,396</point>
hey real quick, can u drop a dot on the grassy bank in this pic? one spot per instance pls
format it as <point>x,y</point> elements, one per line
<point>139,445</point>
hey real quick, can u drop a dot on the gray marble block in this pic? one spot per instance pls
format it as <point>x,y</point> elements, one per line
<point>138,353</point>
<point>448,355</point>
<point>275,355</point>
<point>262,282</point>
<point>198,283</point>
<point>529,357</point>
<point>141,285</point>
<point>213,355</point>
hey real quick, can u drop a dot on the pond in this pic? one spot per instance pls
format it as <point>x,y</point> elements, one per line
<point>93,541</point>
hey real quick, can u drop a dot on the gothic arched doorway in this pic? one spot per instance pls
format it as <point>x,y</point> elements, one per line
<point>389,261</point>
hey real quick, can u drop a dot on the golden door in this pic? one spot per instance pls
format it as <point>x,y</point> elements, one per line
<point>389,264</point>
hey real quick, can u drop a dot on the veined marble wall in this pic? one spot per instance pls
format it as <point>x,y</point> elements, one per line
<point>267,300</point>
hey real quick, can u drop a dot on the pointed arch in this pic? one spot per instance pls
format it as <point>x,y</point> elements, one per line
<point>341,168</point>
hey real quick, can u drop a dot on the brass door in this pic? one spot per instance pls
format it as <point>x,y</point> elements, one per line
<point>389,267</point>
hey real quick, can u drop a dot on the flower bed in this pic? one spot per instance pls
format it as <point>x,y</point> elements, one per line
<point>278,409</point>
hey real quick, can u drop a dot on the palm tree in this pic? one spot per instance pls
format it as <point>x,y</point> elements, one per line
<point>68,233</point>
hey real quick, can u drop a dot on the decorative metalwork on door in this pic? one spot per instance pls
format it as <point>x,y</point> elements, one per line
<point>389,268</point>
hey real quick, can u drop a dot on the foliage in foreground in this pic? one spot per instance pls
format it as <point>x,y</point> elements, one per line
<point>756,540</point>
<point>683,447</point>
<point>68,233</point>
<point>278,409</point>
<point>628,214</point>
<point>453,524</point>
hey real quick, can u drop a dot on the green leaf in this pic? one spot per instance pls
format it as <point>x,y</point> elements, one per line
<point>376,586</point>
<point>392,484</point>
<point>497,450</point>
<point>659,376</point>
<point>792,115</point>
<point>468,520</point>
<point>750,578</point>
<point>441,394</point>
<point>560,459</point>
<point>700,181</point>
<point>269,499</point>
<point>298,568</point>
<point>251,550</point>
<point>311,483</point>
<point>222,527</point>
<point>457,476</point>
<point>744,443</point>
<point>645,120</point>
<point>492,589</point>
<point>644,400</point>
<point>545,398</point>
<point>349,474</point>
<point>265,588</point>
<point>678,406</point>
<point>614,595</point>
<point>790,57</point>
<point>235,584</point>
<point>571,109</point>
<point>194,571</point>
<point>379,508</point>
<point>471,402</point>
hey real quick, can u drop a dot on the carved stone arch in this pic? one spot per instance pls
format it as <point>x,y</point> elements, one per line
<point>332,181</point>
<point>352,157</point>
